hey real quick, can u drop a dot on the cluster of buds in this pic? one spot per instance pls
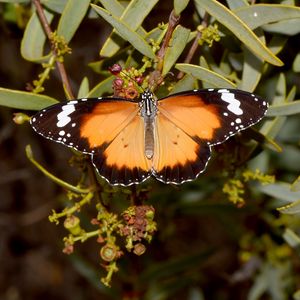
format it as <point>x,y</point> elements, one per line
<point>139,226</point>
<point>127,82</point>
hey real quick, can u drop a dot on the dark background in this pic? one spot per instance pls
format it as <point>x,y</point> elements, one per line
<point>201,236</point>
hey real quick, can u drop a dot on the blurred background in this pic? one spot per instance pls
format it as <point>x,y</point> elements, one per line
<point>206,247</point>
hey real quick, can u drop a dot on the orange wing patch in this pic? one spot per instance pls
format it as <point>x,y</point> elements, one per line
<point>192,115</point>
<point>177,157</point>
<point>106,121</point>
<point>123,161</point>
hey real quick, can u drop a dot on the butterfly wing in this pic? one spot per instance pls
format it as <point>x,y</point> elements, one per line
<point>123,161</point>
<point>177,157</point>
<point>102,128</point>
<point>189,123</point>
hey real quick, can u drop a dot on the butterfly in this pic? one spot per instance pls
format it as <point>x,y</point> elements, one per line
<point>168,138</point>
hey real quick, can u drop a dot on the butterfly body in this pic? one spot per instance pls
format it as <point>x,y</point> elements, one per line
<point>169,138</point>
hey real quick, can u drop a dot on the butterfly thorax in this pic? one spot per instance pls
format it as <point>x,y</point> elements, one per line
<point>148,111</point>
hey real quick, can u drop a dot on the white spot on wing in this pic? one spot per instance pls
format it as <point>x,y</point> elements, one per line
<point>234,104</point>
<point>63,117</point>
<point>62,133</point>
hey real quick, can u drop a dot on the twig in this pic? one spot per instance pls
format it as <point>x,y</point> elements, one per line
<point>155,76</point>
<point>195,45</point>
<point>49,33</point>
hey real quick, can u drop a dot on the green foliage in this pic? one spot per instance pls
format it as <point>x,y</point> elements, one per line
<point>187,229</point>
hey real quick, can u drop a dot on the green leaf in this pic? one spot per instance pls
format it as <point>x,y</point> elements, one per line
<point>286,109</point>
<point>296,63</point>
<point>296,185</point>
<point>103,87</point>
<point>292,238</point>
<point>291,209</point>
<point>84,88</point>
<point>260,14</point>
<point>15,1</point>
<point>34,38</point>
<point>187,82</point>
<point>180,5</point>
<point>234,4</point>
<point>113,6</point>
<point>133,16</point>
<point>71,18</point>
<point>271,128</point>
<point>176,46</point>
<point>24,100</point>
<point>206,75</point>
<point>239,29</point>
<point>296,295</point>
<point>252,71</point>
<point>55,5</point>
<point>270,281</point>
<point>287,27</point>
<point>281,191</point>
<point>126,33</point>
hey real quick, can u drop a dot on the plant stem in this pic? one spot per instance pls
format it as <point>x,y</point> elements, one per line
<point>155,76</point>
<point>49,33</point>
<point>195,45</point>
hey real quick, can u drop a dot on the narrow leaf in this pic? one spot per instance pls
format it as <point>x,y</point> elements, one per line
<point>296,185</point>
<point>291,209</point>
<point>286,109</point>
<point>176,46</point>
<point>84,88</point>
<point>206,75</point>
<point>125,32</point>
<point>71,18</point>
<point>14,1</point>
<point>234,4</point>
<point>180,5</point>
<point>296,63</point>
<point>113,6</point>
<point>281,191</point>
<point>103,87</point>
<point>252,71</point>
<point>286,27</point>
<point>239,29</point>
<point>134,15</point>
<point>24,100</point>
<point>292,238</point>
<point>184,84</point>
<point>260,14</point>
<point>55,5</point>
<point>34,38</point>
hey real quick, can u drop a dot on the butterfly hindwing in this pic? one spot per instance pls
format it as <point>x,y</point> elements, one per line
<point>177,157</point>
<point>124,161</point>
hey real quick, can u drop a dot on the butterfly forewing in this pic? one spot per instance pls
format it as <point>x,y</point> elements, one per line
<point>213,115</point>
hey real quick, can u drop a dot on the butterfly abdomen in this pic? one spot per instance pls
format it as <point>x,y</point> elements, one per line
<point>148,112</point>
